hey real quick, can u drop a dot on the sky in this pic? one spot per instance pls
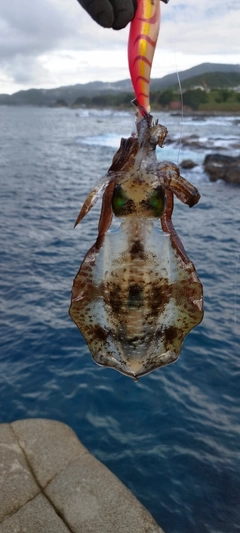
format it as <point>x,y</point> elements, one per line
<point>51,43</point>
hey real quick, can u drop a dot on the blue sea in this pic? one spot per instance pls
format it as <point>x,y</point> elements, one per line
<point>173,437</point>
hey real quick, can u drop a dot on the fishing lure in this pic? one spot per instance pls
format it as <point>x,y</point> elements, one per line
<point>142,42</point>
<point>137,294</point>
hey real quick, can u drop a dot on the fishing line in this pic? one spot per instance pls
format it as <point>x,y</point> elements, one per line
<point>235,292</point>
<point>181,122</point>
<point>174,41</point>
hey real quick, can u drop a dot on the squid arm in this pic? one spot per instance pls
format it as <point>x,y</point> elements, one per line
<point>167,227</point>
<point>93,197</point>
<point>106,214</point>
<point>169,177</point>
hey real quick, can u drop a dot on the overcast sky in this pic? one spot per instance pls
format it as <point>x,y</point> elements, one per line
<point>49,43</point>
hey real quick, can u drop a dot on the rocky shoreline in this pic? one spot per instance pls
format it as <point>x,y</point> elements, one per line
<point>50,483</point>
<point>222,167</point>
<point>218,167</point>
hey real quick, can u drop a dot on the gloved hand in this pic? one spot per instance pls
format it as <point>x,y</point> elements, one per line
<point>114,14</point>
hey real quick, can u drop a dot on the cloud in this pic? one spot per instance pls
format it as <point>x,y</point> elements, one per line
<point>33,27</point>
<point>30,27</point>
<point>205,27</point>
<point>24,70</point>
<point>54,42</point>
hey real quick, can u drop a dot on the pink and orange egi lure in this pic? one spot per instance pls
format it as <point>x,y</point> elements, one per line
<point>142,42</point>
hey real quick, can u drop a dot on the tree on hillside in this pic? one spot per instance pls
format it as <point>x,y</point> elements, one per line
<point>166,97</point>
<point>223,96</point>
<point>194,97</point>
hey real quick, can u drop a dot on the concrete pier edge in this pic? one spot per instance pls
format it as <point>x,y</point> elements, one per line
<point>50,483</point>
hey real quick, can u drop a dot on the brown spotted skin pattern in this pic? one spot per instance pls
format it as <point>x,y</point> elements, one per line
<point>137,294</point>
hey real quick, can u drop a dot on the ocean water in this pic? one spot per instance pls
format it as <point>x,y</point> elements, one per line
<point>174,436</point>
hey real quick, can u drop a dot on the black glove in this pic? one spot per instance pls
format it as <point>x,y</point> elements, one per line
<point>114,14</point>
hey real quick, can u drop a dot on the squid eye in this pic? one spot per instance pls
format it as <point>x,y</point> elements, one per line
<point>121,204</point>
<point>157,201</point>
<point>119,198</point>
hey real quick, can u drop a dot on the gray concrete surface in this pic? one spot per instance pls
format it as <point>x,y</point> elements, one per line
<point>50,483</point>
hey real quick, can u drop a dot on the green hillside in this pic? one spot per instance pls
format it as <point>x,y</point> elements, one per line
<point>212,80</point>
<point>206,87</point>
<point>221,100</point>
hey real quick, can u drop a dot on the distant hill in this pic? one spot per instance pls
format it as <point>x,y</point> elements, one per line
<point>172,79</point>
<point>212,80</point>
<point>227,75</point>
<point>48,97</point>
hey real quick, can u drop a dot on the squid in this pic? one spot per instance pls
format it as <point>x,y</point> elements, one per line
<point>137,294</point>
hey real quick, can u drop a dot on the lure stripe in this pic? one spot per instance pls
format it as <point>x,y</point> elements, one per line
<point>146,38</point>
<point>141,47</point>
<point>150,20</point>
<point>144,59</point>
<point>144,79</point>
<point>142,95</point>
